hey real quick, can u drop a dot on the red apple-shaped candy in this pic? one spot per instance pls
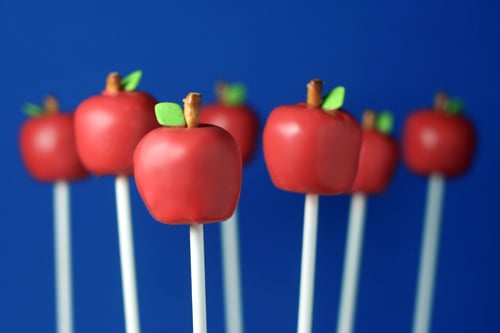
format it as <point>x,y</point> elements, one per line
<point>439,140</point>
<point>48,144</point>
<point>312,147</point>
<point>234,116</point>
<point>109,126</point>
<point>378,156</point>
<point>188,174</point>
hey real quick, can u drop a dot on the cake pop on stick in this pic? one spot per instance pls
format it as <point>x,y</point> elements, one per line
<point>189,173</point>
<point>232,114</point>
<point>48,150</point>
<point>108,127</point>
<point>235,116</point>
<point>378,158</point>
<point>312,148</point>
<point>438,142</point>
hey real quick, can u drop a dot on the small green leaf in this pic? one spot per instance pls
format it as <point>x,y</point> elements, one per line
<point>169,114</point>
<point>131,81</point>
<point>385,122</point>
<point>454,106</point>
<point>335,99</point>
<point>234,94</point>
<point>33,110</point>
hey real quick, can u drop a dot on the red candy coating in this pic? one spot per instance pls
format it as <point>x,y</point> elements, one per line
<point>108,127</point>
<point>240,121</point>
<point>310,150</point>
<point>378,159</point>
<point>48,148</point>
<point>434,141</point>
<point>188,175</point>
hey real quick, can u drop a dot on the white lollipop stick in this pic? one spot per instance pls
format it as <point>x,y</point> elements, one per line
<point>127,261</point>
<point>62,253</point>
<point>232,277</point>
<point>306,296</point>
<point>428,255</point>
<point>352,261</point>
<point>198,278</point>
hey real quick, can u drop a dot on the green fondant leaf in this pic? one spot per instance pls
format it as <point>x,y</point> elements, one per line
<point>169,114</point>
<point>234,94</point>
<point>454,106</point>
<point>335,99</point>
<point>385,122</point>
<point>131,81</point>
<point>33,110</point>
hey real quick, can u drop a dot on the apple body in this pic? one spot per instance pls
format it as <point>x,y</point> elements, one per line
<point>378,159</point>
<point>437,142</point>
<point>239,120</point>
<point>108,128</point>
<point>310,150</point>
<point>48,148</point>
<point>188,175</point>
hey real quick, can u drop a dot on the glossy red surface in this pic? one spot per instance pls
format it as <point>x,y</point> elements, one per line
<point>240,121</point>
<point>108,127</point>
<point>437,142</point>
<point>188,175</point>
<point>378,159</point>
<point>48,148</point>
<point>311,151</point>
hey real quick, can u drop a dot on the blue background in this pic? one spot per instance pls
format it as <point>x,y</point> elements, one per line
<point>389,54</point>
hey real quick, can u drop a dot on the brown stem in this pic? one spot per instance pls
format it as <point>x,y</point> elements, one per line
<point>314,88</point>
<point>440,101</point>
<point>220,87</point>
<point>368,120</point>
<point>51,105</point>
<point>113,83</point>
<point>192,104</point>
